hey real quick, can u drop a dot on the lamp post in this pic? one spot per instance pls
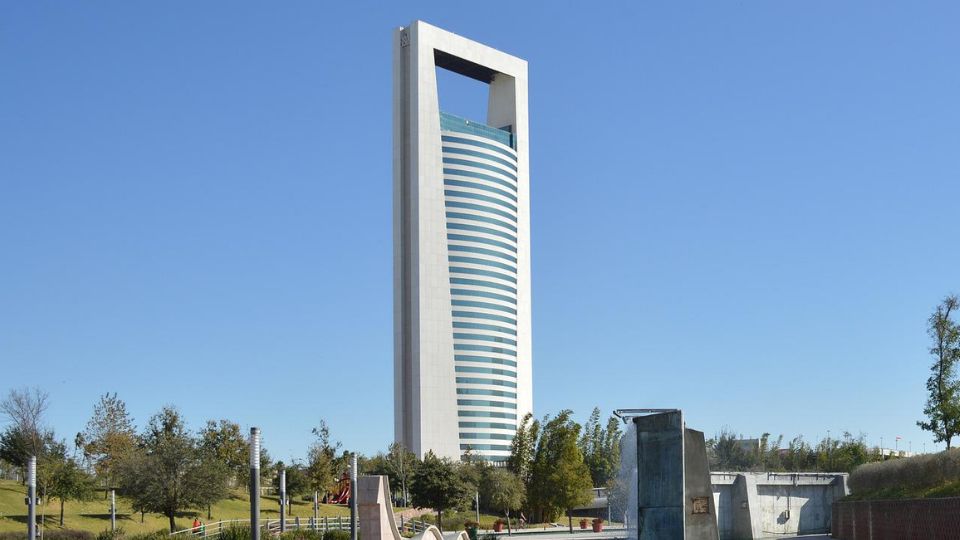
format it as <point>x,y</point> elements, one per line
<point>113,511</point>
<point>254,483</point>
<point>32,498</point>
<point>353,497</point>
<point>283,500</point>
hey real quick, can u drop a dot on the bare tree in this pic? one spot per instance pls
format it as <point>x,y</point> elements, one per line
<point>24,409</point>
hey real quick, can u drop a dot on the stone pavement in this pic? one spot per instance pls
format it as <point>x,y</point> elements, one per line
<point>562,533</point>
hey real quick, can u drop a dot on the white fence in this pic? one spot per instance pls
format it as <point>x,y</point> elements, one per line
<point>272,526</point>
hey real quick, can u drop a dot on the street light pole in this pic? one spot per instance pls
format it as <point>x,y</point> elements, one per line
<point>283,500</point>
<point>254,483</point>
<point>353,497</point>
<point>32,498</point>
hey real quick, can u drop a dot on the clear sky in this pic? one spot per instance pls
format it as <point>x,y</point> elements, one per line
<point>746,209</point>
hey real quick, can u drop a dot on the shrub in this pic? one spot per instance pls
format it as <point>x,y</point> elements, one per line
<point>926,471</point>
<point>304,534</point>
<point>50,534</point>
<point>110,535</point>
<point>336,535</point>
<point>236,532</point>
<point>162,534</point>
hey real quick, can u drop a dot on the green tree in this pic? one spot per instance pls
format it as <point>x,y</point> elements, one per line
<point>770,453</point>
<point>943,402</point>
<point>503,491</point>
<point>322,463</point>
<point>725,452</point>
<point>402,463</point>
<point>600,446</point>
<point>68,481</point>
<point>799,456</point>
<point>844,454</point>
<point>559,478</point>
<point>297,479</point>
<point>522,448</point>
<point>16,447</point>
<point>223,442</point>
<point>167,474</point>
<point>109,437</point>
<point>438,484</point>
<point>213,477</point>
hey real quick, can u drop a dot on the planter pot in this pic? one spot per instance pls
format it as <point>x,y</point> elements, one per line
<point>498,526</point>
<point>597,526</point>
<point>583,524</point>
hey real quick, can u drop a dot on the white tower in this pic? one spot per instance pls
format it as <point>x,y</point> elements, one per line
<point>461,206</point>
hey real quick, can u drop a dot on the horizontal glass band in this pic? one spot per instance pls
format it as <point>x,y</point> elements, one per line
<point>481,208</point>
<point>492,382</point>
<point>482,155</point>
<point>479,229</point>
<point>489,436</point>
<point>481,240</point>
<point>483,348</point>
<point>487,414</point>
<point>482,251</point>
<point>480,326</point>
<point>486,403</point>
<point>484,219</point>
<point>471,142</point>
<point>486,360</point>
<point>488,316</point>
<point>483,305</point>
<point>484,187</point>
<point>484,447</point>
<point>481,262</point>
<point>479,165</point>
<point>483,294</point>
<point>489,425</point>
<point>479,197</point>
<point>486,392</point>
<point>447,172</point>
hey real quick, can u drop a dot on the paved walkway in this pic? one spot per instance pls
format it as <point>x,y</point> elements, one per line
<point>563,533</point>
<point>804,537</point>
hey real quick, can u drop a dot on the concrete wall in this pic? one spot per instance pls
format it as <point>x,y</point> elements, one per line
<point>759,505</point>
<point>660,471</point>
<point>911,519</point>
<point>700,523</point>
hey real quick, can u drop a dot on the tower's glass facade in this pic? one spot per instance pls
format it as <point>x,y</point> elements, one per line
<point>480,199</point>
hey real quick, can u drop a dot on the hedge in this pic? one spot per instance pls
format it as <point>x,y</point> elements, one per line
<point>913,473</point>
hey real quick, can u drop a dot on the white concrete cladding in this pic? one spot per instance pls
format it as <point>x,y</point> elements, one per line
<point>462,344</point>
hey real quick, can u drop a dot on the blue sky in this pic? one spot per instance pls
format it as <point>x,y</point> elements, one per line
<point>743,209</point>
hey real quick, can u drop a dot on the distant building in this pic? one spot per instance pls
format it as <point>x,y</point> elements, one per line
<point>462,344</point>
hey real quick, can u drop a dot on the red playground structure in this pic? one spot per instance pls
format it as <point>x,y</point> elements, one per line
<point>342,494</point>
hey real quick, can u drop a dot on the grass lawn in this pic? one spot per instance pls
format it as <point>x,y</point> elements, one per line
<point>94,515</point>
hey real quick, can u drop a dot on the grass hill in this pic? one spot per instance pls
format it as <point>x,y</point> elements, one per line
<point>94,515</point>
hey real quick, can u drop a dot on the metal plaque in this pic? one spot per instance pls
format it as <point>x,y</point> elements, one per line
<point>701,505</point>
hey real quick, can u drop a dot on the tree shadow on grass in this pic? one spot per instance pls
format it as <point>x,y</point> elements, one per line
<point>49,520</point>
<point>106,516</point>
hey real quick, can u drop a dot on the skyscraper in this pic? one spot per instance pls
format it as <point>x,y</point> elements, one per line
<point>461,205</point>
